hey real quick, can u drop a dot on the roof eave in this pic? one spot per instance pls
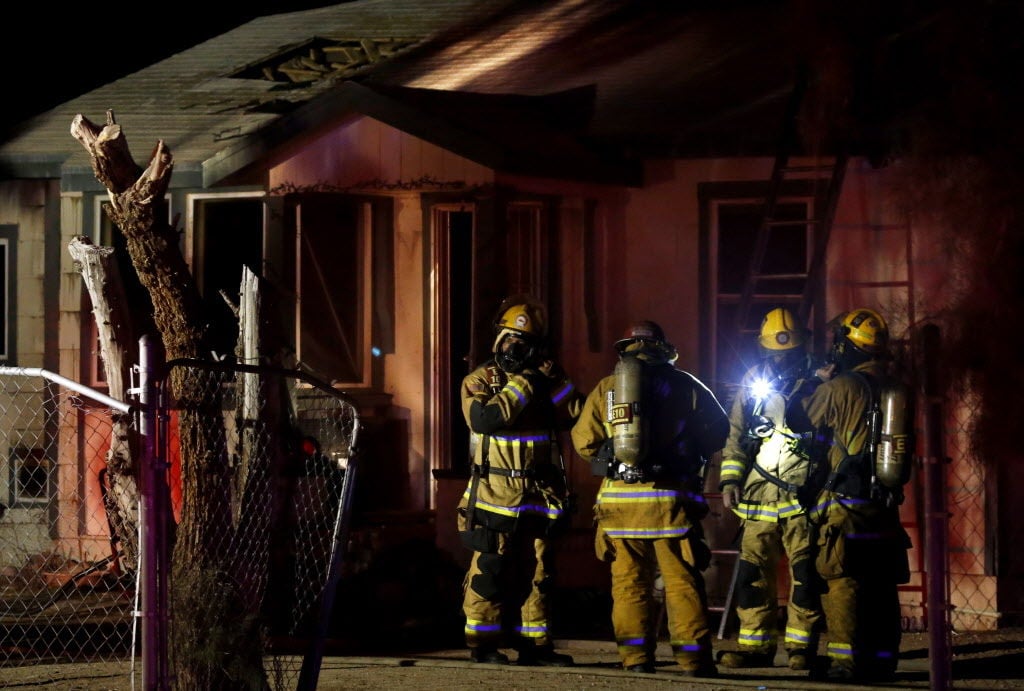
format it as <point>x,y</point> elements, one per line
<point>276,139</point>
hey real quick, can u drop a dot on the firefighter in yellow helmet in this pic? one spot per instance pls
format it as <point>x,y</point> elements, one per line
<point>517,498</point>
<point>764,465</point>
<point>861,544</point>
<point>648,429</point>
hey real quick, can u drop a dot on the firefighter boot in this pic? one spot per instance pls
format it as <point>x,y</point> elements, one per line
<point>489,655</point>
<point>701,664</point>
<point>801,659</point>
<point>542,656</point>
<point>743,659</point>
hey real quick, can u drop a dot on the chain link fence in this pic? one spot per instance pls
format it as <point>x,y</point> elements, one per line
<point>284,452</point>
<point>66,593</point>
<point>972,595</point>
<point>274,495</point>
<point>274,512</point>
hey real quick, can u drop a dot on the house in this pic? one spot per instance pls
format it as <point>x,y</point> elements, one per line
<point>397,167</point>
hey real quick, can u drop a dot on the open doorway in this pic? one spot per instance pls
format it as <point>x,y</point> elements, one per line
<point>453,243</point>
<point>482,251</point>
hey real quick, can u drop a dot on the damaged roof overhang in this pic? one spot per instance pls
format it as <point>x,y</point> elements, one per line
<point>542,136</point>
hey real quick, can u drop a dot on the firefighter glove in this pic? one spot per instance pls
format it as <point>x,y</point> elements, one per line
<point>732,493</point>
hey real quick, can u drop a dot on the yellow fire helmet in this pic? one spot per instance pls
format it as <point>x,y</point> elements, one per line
<point>524,319</point>
<point>521,315</point>
<point>865,329</point>
<point>780,332</point>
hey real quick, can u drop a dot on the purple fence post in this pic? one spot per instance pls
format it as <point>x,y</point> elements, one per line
<point>153,517</point>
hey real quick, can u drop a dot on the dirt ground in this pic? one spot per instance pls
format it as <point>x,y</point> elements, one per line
<point>981,660</point>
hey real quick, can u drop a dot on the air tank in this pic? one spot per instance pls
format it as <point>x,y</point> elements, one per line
<point>892,460</point>
<point>627,411</point>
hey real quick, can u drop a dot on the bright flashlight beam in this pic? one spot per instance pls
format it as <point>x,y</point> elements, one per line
<point>760,389</point>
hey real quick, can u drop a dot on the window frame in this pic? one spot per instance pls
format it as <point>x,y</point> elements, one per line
<point>529,270</point>
<point>713,196</point>
<point>280,265</point>
<point>8,340</point>
<point>192,235</point>
<point>362,354</point>
<point>17,455</point>
<point>196,257</point>
<point>528,254</point>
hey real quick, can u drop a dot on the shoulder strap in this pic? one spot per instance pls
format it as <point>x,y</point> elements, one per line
<point>777,481</point>
<point>495,380</point>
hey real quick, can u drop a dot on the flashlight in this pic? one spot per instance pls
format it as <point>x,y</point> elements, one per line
<point>760,389</point>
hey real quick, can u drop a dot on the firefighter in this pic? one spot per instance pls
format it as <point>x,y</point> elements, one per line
<point>517,497</point>
<point>648,429</point>
<point>861,550</point>
<point>764,465</point>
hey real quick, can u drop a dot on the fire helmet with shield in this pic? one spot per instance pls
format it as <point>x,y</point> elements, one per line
<point>646,336</point>
<point>865,329</point>
<point>858,336</point>
<point>523,323</point>
<point>780,332</point>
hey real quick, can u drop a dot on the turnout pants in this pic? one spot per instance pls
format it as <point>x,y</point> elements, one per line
<point>505,592</point>
<point>762,546</point>
<point>636,614</point>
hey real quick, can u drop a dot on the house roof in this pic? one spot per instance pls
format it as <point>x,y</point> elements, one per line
<point>567,88</point>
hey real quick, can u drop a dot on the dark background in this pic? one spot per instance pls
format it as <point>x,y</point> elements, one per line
<point>50,54</point>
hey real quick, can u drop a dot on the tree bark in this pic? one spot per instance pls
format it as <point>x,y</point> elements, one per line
<point>113,322</point>
<point>213,642</point>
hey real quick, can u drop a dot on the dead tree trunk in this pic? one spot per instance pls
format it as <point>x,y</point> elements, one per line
<point>109,307</point>
<point>212,645</point>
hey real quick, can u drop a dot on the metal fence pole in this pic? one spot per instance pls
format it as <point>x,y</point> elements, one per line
<point>153,526</point>
<point>937,523</point>
<point>309,675</point>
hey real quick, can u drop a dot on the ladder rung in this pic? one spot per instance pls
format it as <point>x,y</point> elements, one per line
<point>725,551</point>
<point>797,222</point>
<point>878,284</point>
<point>777,277</point>
<point>807,169</point>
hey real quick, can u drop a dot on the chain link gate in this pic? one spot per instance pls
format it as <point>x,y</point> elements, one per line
<point>286,447</point>
<point>71,592</point>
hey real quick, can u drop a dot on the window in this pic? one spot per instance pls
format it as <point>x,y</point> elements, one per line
<point>317,252</point>
<point>8,266</point>
<point>527,249</point>
<point>333,250</point>
<point>733,225</point>
<point>30,475</point>
<point>228,234</point>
